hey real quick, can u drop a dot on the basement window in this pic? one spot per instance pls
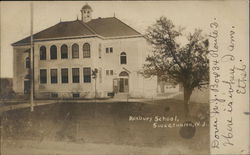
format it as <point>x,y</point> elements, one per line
<point>76,95</point>
<point>54,95</point>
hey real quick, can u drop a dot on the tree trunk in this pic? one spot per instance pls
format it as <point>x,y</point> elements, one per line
<point>187,94</point>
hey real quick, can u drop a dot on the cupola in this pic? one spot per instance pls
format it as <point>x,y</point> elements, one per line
<point>86,13</point>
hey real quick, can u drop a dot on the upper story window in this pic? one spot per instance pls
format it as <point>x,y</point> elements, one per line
<point>109,50</point>
<point>123,58</point>
<point>109,72</point>
<point>86,50</point>
<point>53,52</point>
<point>42,53</point>
<point>64,51</point>
<point>53,75</point>
<point>43,76</point>
<point>64,75</point>
<point>100,50</point>
<point>75,51</point>
<point>75,75</point>
<point>27,62</point>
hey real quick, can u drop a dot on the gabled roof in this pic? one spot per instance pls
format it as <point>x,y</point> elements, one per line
<point>62,29</point>
<point>102,27</point>
<point>111,27</point>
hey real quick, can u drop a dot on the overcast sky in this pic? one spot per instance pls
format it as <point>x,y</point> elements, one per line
<point>15,17</point>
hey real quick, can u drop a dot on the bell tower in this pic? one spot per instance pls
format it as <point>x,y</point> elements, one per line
<point>86,13</point>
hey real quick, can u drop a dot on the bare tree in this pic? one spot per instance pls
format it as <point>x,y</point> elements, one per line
<point>186,64</point>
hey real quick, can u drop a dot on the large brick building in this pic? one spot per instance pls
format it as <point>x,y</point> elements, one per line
<point>66,54</point>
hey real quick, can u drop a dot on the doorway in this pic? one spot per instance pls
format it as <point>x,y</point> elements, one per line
<point>123,85</point>
<point>26,87</point>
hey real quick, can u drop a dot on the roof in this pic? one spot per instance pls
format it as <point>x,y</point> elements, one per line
<point>103,27</point>
<point>86,6</point>
<point>111,27</point>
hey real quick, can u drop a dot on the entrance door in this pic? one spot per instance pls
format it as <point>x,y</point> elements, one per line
<point>26,87</point>
<point>123,85</point>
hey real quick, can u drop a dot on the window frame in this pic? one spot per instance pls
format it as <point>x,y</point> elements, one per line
<point>53,79</point>
<point>76,95</point>
<point>75,51</point>
<point>64,55</point>
<point>86,50</point>
<point>100,50</point>
<point>75,78</point>
<point>123,58</point>
<point>111,72</point>
<point>63,77</point>
<point>87,78</point>
<point>43,79</point>
<point>43,53</point>
<point>53,56</point>
<point>27,62</point>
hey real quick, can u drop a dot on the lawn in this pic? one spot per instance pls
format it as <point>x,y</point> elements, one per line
<point>101,128</point>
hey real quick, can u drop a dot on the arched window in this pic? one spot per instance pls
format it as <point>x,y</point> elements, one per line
<point>42,53</point>
<point>86,50</point>
<point>53,52</point>
<point>123,58</point>
<point>64,51</point>
<point>75,51</point>
<point>27,62</point>
<point>123,73</point>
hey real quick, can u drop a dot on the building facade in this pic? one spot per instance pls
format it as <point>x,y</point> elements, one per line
<point>84,59</point>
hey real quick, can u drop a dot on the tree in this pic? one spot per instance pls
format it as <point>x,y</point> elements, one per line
<point>184,64</point>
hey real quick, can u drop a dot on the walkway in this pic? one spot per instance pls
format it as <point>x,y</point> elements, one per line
<point>25,104</point>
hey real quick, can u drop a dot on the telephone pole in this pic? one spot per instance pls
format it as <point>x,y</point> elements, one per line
<point>31,60</point>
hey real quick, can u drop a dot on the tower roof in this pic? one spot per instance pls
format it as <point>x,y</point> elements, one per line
<point>86,6</point>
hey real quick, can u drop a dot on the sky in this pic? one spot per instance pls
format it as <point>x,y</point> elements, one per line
<point>15,17</point>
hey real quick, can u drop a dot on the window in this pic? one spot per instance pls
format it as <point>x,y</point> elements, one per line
<point>87,75</point>
<point>53,52</point>
<point>54,95</point>
<point>27,62</point>
<point>86,50</point>
<point>42,53</point>
<point>75,75</point>
<point>123,58</point>
<point>109,50</point>
<point>43,76</point>
<point>53,75</point>
<point>109,72</point>
<point>27,87</point>
<point>64,51</point>
<point>100,50</point>
<point>64,74</point>
<point>76,95</point>
<point>75,51</point>
<point>123,73</point>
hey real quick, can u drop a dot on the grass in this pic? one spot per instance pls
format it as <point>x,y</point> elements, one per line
<point>100,124</point>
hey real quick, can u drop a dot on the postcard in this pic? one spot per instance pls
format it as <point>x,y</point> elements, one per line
<point>124,78</point>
